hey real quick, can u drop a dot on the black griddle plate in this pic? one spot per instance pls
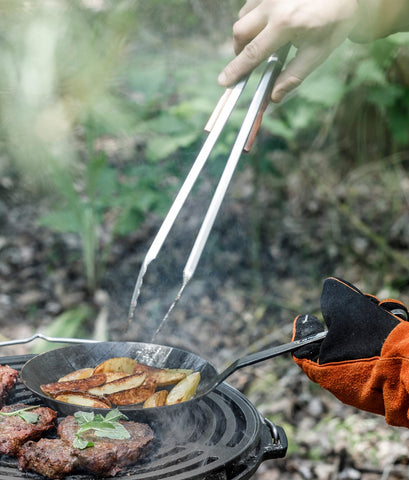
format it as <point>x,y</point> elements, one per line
<point>223,438</point>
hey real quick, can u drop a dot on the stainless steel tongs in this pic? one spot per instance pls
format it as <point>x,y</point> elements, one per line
<point>243,142</point>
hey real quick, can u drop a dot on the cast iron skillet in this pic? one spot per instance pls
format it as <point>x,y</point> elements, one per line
<point>50,366</point>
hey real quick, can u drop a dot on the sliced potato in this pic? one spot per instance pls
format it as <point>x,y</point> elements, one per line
<point>81,385</point>
<point>125,383</point>
<point>77,375</point>
<point>184,390</point>
<point>133,395</point>
<point>83,399</point>
<point>116,364</point>
<point>111,376</point>
<point>160,376</point>
<point>158,399</point>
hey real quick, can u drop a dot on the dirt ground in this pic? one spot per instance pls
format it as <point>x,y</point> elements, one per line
<point>271,248</point>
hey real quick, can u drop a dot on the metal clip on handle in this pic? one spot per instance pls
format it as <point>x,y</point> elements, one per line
<point>244,142</point>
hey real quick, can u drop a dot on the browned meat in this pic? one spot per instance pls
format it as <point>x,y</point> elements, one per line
<point>108,456</point>
<point>56,458</point>
<point>14,431</point>
<point>52,458</point>
<point>81,385</point>
<point>8,378</point>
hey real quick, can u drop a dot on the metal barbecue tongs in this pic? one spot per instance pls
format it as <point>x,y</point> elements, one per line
<point>243,142</point>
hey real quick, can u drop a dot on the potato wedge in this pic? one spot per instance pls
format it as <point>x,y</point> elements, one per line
<point>184,390</point>
<point>77,375</point>
<point>81,385</point>
<point>158,399</point>
<point>160,376</point>
<point>116,364</point>
<point>133,395</point>
<point>83,399</point>
<point>125,383</point>
<point>111,376</point>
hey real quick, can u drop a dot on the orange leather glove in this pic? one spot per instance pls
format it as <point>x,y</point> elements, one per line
<point>364,359</point>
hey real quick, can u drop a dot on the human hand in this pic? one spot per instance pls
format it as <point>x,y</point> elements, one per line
<point>314,27</point>
<point>364,359</point>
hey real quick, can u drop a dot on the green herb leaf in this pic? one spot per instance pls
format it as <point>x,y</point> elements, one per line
<point>29,417</point>
<point>80,443</point>
<point>24,414</point>
<point>115,415</point>
<point>117,432</point>
<point>84,417</point>
<point>107,427</point>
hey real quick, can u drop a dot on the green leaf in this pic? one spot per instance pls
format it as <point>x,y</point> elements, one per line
<point>303,116</point>
<point>278,127</point>
<point>24,414</point>
<point>117,431</point>
<point>369,72</point>
<point>162,146</point>
<point>325,89</point>
<point>67,324</point>
<point>81,444</point>
<point>107,426</point>
<point>84,417</point>
<point>96,425</point>
<point>384,97</point>
<point>401,38</point>
<point>29,417</point>
<point>115,415</point>
<point>398,122</point>
<point>95,168</point>
<point>64,221</point>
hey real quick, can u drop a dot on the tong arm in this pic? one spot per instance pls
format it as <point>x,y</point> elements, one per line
<point>250,125</point>
<point>279,63</point>
<point>217,121</point>
<point>273,70</point>
<point>244,142</point>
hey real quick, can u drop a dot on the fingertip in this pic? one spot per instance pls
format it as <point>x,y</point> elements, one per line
<point>278,95</point>
<point>221,79</point>
<point>229,75</point>
<point>285,84</point>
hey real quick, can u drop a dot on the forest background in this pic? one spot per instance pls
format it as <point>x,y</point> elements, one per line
<point>102,108</point>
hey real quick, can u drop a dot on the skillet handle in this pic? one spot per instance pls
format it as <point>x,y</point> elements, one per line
<point>272,352</point>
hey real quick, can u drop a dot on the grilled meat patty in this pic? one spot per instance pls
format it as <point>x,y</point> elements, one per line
<point>14,431</point>
<point>56,458</point>
<point>8,378</point>
<point>108,456</point>
<point>53,458</point>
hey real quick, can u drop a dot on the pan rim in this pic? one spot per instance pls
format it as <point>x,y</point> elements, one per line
<point>25,375</point>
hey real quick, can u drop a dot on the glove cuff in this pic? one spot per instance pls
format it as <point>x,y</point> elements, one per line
<point>397,343</point>
<point>379,384</point>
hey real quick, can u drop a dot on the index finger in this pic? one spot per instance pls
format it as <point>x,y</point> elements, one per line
<point>255,52</point>
<point>306,60</point>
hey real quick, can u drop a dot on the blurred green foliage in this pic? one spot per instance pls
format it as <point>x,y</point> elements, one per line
<point>68,324</point>
<point>359,88</point>
<point>76,72</point>
<point>58,66</point>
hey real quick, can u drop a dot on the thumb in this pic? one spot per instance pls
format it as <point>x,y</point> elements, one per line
<point>303,326</point>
